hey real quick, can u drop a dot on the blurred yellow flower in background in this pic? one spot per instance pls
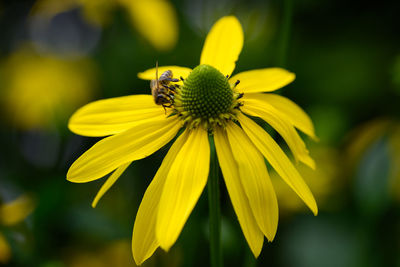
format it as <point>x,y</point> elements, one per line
<point>12,213</point>
<point>155,20</point>
<point>39,91</point>
<point>207,102</point>
<point>5,250</point>
<point>323,181</point>
<point>117,254</point>
<point>363,138</point>
<point>17,210</point>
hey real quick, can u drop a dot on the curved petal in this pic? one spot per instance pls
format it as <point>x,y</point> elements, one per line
<point>109,182</point>
<point>177,72</point>
<point>262,80</point>
<point>155,20</point>
<point>223,45</point>
<point>288,110</point>
<point>269,114</point>
<point>278,160</point>
<point>230,171</point>
<point>183,186</point>
<point>110,153</point>
<point>255,180</point>
<point>144,241</point>
<point>114,115</point>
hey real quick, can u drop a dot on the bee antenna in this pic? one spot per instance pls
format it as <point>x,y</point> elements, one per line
<point>157,72</point>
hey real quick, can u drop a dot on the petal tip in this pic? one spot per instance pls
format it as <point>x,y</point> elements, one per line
<point>257,250</point>
<point>315,138</point>
<point>166,246</point>
<point>315,211</point>
<point>68,177</point>
<point>139,255</point>
<point>141,75</point>
<point>138,260</point>
<point>71,177</point>
<point>290,78</point>
<point>271,235</point>
<point>313,207</point>
<point>256,253</point>
<point>230,17</point>
<point>312,164</point>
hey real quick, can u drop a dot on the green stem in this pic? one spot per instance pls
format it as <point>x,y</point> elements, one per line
<point>214,209</point>
<point>285,32</point>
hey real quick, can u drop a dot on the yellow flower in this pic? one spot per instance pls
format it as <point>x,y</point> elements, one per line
<point>155,20</point>
<point>12,213</point>
<point>39,90</point>
<point>205,103</point>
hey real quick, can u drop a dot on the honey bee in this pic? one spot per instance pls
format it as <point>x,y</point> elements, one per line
<point>162,91</point>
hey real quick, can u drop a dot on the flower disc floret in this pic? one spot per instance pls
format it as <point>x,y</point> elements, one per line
<point>206,97</point>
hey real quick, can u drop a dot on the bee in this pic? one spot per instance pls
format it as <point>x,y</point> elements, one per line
<point>162,91</point>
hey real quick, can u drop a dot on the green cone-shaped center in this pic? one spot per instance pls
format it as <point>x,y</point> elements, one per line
<point>206,93</point>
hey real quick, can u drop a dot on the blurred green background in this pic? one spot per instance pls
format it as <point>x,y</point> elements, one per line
<point>56,56</point>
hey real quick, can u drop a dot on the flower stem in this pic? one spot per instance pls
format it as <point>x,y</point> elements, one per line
<point>285,32</point>
<point>214,209</point>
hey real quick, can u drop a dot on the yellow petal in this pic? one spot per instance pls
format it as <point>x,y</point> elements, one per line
<point>144,241</point>
<point>138,142</point>
<point>269,114</point>
<point>255,180</point>
<point>156,20</point>
<point>278,160</point>
<point>230,171</point>
<point>110,181</point>
<point>262,80</point>
<point>114,115</point>
<point>223,45</point>
<point>288,110</point>
<point>177,72</point>
<point>17,210</point>
<point>183,187</point>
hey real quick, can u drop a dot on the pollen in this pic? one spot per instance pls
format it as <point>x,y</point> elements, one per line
<point>206,98</point>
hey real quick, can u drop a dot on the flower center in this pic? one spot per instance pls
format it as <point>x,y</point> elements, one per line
<point>206,98</point>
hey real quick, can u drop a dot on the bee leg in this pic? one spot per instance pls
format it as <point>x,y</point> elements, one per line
<point>166,106</point>
<point>236,83</point>
<point>165,110</point>
<point>240,96</point>
<point>182,79</point>
<point>238,105</point>
<point>172,80</point>
<point>172,88</point>
<point>227,76</point>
